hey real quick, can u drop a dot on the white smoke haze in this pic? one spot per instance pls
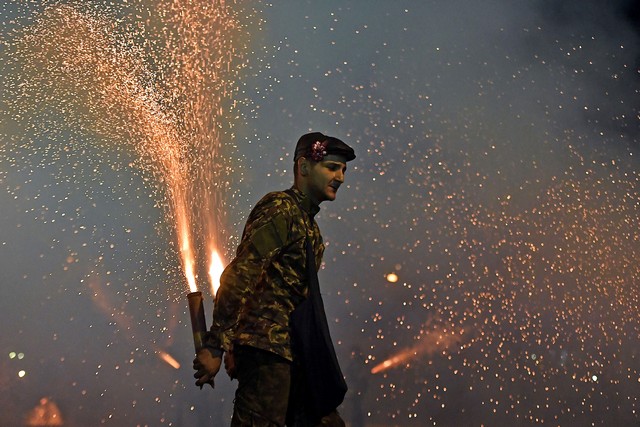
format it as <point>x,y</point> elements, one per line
<point>496,176</point>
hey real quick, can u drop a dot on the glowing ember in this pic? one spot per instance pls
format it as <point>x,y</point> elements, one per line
<point>429,344</point>
<point>166,357</point>
<point>46,413</point>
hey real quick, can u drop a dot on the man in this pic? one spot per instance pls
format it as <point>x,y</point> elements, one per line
<point>261,287</point>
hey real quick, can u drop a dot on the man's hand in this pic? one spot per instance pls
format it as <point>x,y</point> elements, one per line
<point>230,364</point>
<point>207,366</point>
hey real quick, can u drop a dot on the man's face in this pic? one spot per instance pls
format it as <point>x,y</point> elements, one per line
<point>325,177</point>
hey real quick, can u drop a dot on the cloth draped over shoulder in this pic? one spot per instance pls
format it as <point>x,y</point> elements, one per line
<point>312,342</point>
<point>267,278</point>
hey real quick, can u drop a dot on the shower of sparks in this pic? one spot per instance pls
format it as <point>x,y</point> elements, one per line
<point>481,264</point>
<point>100,80</point>
<point>204,51</point>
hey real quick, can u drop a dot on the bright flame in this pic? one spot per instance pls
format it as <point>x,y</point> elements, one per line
<point>189,274</point>
<point>215,271</point>
<point>186,250</point>
<point>169,359</point>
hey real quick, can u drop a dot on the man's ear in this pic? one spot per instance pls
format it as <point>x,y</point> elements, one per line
<point>303,166</point>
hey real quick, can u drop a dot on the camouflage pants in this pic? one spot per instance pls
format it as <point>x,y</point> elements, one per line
<point>271,394</point>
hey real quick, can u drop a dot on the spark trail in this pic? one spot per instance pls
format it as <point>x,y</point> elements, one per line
<point>96,78</point>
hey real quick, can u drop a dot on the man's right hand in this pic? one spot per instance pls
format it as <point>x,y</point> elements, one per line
<point>207,366</point>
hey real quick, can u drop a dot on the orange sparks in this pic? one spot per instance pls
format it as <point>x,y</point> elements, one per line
<point>174,123</point>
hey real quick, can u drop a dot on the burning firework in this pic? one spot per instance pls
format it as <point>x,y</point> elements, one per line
<point>430,343</point>
<point>102,81</point>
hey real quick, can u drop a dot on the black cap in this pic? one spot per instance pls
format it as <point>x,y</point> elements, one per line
<point>315,146</point>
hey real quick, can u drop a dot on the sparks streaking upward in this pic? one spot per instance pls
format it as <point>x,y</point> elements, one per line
<point>101,80</point>
<point>202,39</point>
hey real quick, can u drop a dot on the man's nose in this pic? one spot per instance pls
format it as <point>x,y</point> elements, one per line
<point>340,175</point>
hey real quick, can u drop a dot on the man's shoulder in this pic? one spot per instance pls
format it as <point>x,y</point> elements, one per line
<point>276,200</point>
<point>277,197</point>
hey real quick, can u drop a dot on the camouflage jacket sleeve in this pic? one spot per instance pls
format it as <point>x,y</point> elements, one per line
<point>264,235</point>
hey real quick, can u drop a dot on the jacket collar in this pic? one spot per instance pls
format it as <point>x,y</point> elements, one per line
<point>305,202</point>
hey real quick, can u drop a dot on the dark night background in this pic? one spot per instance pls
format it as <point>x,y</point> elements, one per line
<point>496,178</point>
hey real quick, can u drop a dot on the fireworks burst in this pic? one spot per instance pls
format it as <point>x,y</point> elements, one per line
<point>78,62</point>
<point>481,260</point>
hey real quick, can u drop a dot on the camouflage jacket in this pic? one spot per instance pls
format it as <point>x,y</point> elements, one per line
<point>267,278</point>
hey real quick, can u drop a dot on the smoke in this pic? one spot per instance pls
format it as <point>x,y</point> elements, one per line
<point>496,177</point>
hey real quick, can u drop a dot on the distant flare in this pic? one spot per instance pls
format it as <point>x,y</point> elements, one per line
<point>392,277</point>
